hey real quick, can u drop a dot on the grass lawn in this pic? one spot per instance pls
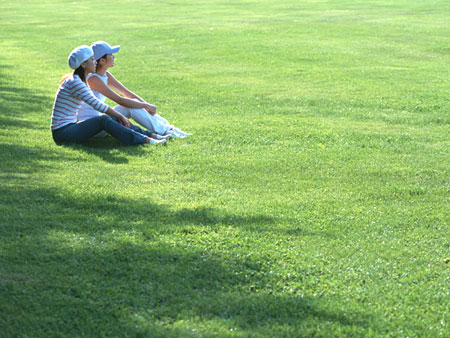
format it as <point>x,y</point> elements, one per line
<point>313,199</point>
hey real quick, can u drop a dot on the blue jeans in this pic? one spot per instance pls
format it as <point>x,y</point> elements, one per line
<point>80,132</point>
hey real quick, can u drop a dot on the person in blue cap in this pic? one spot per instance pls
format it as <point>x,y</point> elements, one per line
<point>105,85</point>
<point>72,92</point>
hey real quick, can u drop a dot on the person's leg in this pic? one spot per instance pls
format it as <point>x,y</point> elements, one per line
<point>148,133</point>
<point>130,136</point>
<point>162,125</point>
<point>82,131</point>
<point>79,132</point>
<point>151,137</point>
<point>155,123</point>
<point>123,110</point>
<point>134,127</point>
<point>101,134</point>
<point>180,132</point>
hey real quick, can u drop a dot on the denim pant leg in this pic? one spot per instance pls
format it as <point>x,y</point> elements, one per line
<point>136,128</point>
<point>80,132</point>
<point>139,130</point>
<point>125,135</point>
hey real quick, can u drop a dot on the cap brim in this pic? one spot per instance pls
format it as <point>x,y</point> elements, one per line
<point>115,49</point>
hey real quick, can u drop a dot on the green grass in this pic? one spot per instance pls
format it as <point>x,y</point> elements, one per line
<point>313,199</point>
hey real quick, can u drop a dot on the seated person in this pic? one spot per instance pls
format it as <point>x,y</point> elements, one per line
<point>72,92</point>
<point>130,104</point>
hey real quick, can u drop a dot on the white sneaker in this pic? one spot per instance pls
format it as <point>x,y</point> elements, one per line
<point>182,133</point>
<point>175,135</point>
<point>153,141</point>
<point>163,137</point>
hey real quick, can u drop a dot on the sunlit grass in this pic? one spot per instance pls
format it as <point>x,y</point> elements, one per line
<point>312,199</point>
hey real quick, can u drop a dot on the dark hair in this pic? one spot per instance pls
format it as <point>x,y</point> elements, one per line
<point>80,72</point>
<point>101,57</point>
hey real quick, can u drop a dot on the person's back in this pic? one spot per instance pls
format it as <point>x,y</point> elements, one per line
<point>71,94</point>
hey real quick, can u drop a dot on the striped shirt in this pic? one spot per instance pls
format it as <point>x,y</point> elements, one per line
<point>71,94</point>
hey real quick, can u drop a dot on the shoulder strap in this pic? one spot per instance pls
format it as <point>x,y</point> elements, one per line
<point>92,74</point>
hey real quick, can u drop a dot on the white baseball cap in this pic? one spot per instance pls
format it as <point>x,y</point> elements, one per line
<point>102,48</point>
<point>79,55</point>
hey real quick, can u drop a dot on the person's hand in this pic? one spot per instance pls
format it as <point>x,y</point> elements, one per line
<point>124,121</point>
<point>151,109</point>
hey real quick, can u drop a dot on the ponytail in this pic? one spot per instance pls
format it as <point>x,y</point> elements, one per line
<point>65,77</point>
<point>80,72</point>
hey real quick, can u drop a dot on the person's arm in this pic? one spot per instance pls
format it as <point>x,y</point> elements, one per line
<point>81,91</point>
<point>98,85</point>
<point>119,87</point>
<point>122,119</point>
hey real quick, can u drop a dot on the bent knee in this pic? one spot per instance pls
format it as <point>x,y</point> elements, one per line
<point>138,111</point>
<point>105,118</point>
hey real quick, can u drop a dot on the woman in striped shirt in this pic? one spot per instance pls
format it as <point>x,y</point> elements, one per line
<point>72,92</point>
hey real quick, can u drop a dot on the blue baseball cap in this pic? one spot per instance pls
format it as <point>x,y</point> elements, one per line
<point>102,48</point>
<point>79,55</point>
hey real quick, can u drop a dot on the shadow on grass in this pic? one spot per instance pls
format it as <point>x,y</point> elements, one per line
<point>106,148</point>
<point>103,213</point>
<point>18,159</point>
<point>104,265</point>
<point>16,103</point>
<point>132,289</point>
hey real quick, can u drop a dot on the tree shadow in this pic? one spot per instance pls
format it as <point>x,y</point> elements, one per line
<point>145,288</point>
<point>18,159</point>
<point>16,103</point>
<point>104,264</point>
<point>88,214</point>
